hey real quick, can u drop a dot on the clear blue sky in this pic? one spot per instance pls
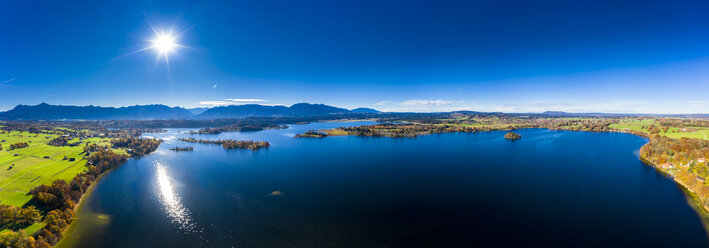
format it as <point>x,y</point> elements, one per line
<point>511,56</point>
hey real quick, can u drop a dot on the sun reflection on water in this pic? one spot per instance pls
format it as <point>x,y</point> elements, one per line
<point>171,201</point>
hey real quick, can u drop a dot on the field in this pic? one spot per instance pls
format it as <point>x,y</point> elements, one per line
<point>633,124</point>
<point>672,132</point>
<point>25,168</point>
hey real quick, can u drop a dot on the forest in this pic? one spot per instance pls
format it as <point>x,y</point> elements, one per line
<point>684,159</point>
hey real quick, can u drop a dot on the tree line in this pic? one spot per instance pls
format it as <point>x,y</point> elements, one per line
<point>62,197</point>
<point>19,145</point>
<point>138,146</point>
<point>59,141</point>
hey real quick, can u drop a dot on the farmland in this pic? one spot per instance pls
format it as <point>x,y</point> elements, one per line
<point>40,163</point>
<point>672,131</point>
<point>22,169</point>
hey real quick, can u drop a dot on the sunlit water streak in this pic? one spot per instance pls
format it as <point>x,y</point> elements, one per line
<point>171,201</point>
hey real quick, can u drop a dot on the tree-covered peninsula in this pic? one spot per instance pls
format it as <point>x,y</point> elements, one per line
<point>231,144</point>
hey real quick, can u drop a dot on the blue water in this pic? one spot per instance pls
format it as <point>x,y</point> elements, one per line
<point>549,189</point>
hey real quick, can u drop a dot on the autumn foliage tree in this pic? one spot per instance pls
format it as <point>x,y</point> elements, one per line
<point>138,146</point>
<point>18,216</point>
<point>685,155</point>
<point>62,196</point>
<point>18,239</point>
<point>19,145</point>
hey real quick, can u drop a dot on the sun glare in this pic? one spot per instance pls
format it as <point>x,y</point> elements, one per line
<point>164,43</point>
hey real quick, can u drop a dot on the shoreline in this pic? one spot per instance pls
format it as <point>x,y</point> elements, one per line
<point>80,204</point>
<point>693,200</point>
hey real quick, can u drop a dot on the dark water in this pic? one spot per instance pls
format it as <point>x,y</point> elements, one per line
<point>549,189</point>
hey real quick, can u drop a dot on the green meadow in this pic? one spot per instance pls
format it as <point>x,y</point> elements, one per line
<point>25,168</point>
<point>672,132</point>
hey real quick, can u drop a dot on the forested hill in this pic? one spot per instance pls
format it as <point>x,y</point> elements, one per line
<point>254,110</point>
<point>46,111</point>
<point>59,112</point>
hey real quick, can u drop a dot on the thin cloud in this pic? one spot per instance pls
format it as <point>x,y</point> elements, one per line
<point>233,101</point>
<point>5,83</point>
<point>612,106</point>
<point>382,103</point>
<point>216,103</point>
<point>426,102</point>
<point>245,100</point>
<point>423,105</point>
<point>8,81</point>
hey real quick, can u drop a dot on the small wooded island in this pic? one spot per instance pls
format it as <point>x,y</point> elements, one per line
<point>182,148</point>
<point>312,134</point>
<point>512,136</point>
<point>231,144</point>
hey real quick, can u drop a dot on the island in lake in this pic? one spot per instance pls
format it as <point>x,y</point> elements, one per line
<point>182,148</point>
<point>512,136</point>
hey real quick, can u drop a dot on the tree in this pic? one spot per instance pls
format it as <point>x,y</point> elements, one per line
<point>41,243</point>
<point>18,239</point>
<point>30,215</point>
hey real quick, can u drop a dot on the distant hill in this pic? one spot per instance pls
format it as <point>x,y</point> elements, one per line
<point>307,109</point>
<point>155,111</point>
<point>46,111</point>
<point>365,110</point>
<point>241,111</point>
<point>251,110</point>
<point>196,111</point>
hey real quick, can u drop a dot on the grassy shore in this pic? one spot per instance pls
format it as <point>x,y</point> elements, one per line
<point>40,163</point>
<point>66,239</point>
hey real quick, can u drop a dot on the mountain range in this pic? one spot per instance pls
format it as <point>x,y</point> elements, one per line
<point>46,111</point>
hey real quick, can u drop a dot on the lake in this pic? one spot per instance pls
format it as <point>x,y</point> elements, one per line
<point>549,189</point>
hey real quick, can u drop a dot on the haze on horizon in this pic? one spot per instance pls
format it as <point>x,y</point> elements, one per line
<point>422,56</point>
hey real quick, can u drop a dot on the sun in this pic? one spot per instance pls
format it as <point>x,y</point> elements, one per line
<point>164,43</point>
